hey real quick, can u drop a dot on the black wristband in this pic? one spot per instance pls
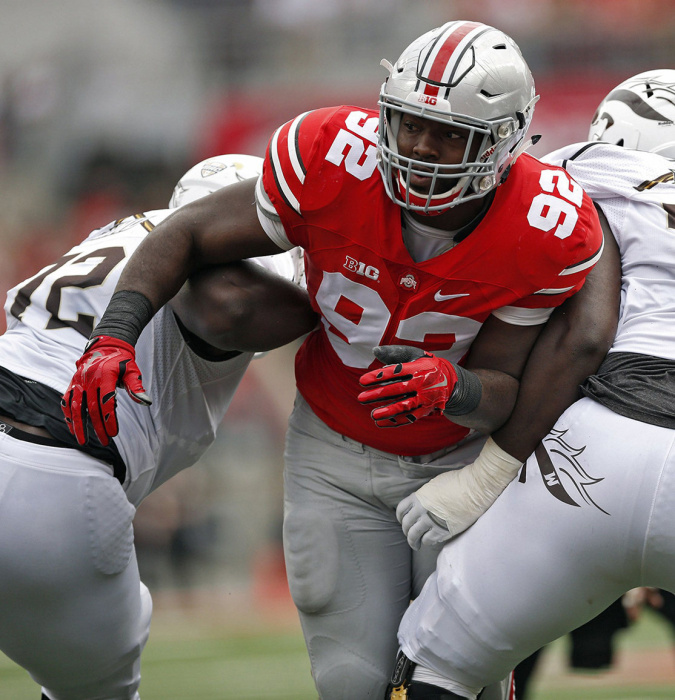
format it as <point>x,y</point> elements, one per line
<point>128,313</point>
<point>466,395</point>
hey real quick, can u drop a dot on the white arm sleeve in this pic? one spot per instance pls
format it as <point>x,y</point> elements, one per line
<point>269,219</point>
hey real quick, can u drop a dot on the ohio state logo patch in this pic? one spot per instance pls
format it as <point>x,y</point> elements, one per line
<point>408,282</point>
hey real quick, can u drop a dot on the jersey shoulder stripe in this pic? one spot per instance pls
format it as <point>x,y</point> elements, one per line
<point>287,167</point>
<point>585,264</point>
<point>290,153</point>
<point>579,153</point>
<point>578,270</point>
<point>558,260</point>
<point>554,291</point>
<point>607,171</point>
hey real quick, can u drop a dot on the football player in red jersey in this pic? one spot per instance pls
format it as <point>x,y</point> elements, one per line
<point>461,240</point>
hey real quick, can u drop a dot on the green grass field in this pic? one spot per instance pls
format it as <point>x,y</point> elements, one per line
<point>196,654</point>
<point>644,668</point>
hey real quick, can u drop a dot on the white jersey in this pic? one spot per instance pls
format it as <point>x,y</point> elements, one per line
<point>51,316</point>
<point>636,192</point>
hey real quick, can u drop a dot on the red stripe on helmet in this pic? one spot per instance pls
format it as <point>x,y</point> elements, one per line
<point>437,68</point>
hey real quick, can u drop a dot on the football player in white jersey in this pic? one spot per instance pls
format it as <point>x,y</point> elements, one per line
<point>426,229</point>
<point>591,515</point>
<point>73,611</point>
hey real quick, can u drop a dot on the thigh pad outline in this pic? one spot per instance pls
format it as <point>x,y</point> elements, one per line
<point>109,517</point>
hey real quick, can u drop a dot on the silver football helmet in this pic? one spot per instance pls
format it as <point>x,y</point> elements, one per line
<point>467,75</point>
<point>212,174</point>
<point>639,113</point>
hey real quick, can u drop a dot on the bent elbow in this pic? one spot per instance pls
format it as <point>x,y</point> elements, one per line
<point>590,345</point>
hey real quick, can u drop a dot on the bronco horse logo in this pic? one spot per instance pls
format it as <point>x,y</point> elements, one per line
<point>565,473</point>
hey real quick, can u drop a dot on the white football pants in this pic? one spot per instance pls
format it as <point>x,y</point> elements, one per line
<point>73,611</point>
<point>594,517</point>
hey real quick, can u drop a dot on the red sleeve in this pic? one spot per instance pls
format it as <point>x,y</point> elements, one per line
<point>574,241</point>
<point>314,161</point>
<point>287,160</point>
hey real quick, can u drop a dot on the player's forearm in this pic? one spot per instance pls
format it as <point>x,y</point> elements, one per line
<point>161,263</point>
<point>285,319</point>
<point>498,396</point>
<point>144,287</point>
<point>219,228</point>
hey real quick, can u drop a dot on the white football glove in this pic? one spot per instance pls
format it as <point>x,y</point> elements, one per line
<point>456,498</point>
<point>417,524</point>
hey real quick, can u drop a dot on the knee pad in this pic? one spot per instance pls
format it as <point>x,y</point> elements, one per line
<point>341,674</point>
<point>311,549</point>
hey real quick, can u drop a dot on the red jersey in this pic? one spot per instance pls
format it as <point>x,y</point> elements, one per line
<point>533,248</point>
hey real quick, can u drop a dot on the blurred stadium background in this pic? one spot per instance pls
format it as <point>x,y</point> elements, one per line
<point>103,105</point>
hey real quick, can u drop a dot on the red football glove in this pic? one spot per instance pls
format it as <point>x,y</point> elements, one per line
<point>417,385</point>
<point>106,364</point>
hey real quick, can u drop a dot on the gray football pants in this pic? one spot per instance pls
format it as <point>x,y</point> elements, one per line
<point>351,572</point>
<point>593,518</point>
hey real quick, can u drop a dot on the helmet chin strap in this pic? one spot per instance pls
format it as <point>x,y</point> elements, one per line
<point>525,145</point>
<point>386,64</point>
<point>431,199</point>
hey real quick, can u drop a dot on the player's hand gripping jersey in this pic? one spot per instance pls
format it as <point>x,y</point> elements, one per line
<point>531,251</point>
<point>49,320</point>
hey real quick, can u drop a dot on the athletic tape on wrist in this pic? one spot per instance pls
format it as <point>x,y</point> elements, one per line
<point>128,313</point>
<point>460,496</point>
<point>466,395</point>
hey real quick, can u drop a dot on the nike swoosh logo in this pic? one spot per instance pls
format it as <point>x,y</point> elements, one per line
<point>444,297</point>
<point>90,361</point>
<point>440,384</point>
